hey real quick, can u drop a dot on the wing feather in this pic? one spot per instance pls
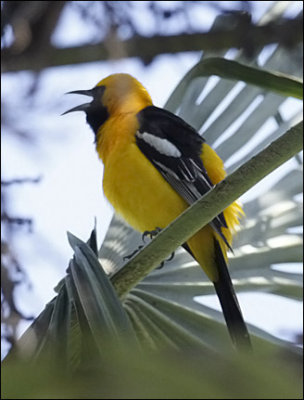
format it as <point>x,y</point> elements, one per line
<point>174,148</point>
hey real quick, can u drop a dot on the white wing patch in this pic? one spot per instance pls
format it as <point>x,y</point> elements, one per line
<point>163,146</point>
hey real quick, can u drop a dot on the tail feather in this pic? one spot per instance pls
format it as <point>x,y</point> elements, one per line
<point>224,289</point>
<point>232,313</point>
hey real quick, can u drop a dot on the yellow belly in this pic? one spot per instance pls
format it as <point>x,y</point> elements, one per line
<point>131,184</point>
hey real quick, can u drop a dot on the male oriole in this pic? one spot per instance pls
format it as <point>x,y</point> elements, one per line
<point>155,166</point>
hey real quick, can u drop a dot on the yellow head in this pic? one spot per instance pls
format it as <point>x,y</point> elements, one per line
<point>123,94</point>
<point>117,94</point>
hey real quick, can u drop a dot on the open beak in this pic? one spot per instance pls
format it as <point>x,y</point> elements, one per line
<point>82,107</point>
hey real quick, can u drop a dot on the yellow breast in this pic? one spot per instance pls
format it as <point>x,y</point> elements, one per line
<point>131,183</point>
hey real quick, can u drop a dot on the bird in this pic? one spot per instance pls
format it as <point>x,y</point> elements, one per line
<point>155,166</point>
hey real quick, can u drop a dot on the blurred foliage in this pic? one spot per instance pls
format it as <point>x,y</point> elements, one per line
<point>134,374</point>
<point>12,273</point>
<point>121,29</point>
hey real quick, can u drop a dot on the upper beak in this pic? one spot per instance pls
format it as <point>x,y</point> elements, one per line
<point>82,107</point>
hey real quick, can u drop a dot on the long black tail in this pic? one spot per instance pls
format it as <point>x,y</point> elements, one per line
<point>230,305</point>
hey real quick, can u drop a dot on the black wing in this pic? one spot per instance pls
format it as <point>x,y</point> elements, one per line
<point>174,148</point>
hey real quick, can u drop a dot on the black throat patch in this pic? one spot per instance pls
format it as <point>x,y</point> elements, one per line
<point>97,114</point>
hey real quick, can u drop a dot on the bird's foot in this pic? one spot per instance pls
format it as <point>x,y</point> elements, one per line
<point>133,253</point>
<point>151,235</point>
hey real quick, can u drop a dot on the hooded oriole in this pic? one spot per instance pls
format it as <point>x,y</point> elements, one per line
<point>155,166</point>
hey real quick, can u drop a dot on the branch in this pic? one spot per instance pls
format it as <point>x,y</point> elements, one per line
<point>286,32</point>
<point>18,181</point>
<point>206,208</point>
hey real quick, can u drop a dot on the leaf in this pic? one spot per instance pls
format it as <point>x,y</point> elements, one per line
<point>84,315</point>
<point>270,80</point>
<point>98,298</point>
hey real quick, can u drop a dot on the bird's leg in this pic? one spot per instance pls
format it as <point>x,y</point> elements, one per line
<point>133,253</point>
<point>151,234</point>
<point>168,259</point>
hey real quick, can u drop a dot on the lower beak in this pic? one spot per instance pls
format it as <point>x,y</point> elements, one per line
<point>82,107</point>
